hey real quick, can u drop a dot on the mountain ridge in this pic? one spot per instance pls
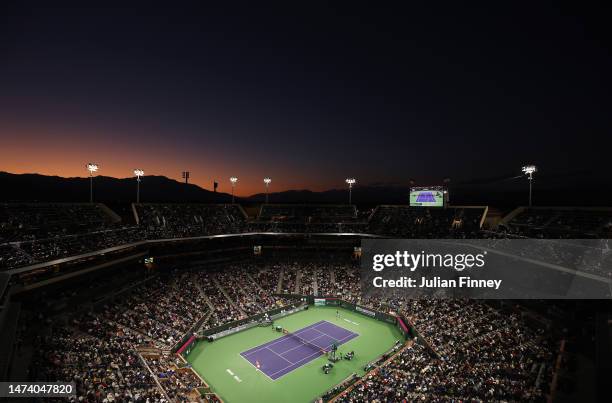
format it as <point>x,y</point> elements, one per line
<point>511,191</point>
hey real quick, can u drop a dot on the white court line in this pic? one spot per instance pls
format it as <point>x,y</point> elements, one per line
<point>302,344</point>
<point>318,331</point>
<point>313,326</point>
<point>299,361</point>
<point>256,369</point>
<point>229,371</point>
<point>336,326</point>
<point>282,338</point>
<point>277,354</point>
<point>322,334</point>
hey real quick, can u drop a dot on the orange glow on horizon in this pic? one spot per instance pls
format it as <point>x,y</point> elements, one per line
<point>64,153</point>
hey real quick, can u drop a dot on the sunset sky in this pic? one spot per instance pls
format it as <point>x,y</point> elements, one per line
<point>307,96</point>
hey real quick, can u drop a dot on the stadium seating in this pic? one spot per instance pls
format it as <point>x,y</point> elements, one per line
<point>36,221</point>
<point>74,229</point>
<point>187,220</point>
<point>468,350</point>
<point>411,222</point>
<point>560,222</point>
<point>307,213</point>
<point>40,232</point>
<point>464,350</point>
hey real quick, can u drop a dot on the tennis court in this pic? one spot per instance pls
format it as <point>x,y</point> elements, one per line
<point>278,357</point>
<point>236,379</point>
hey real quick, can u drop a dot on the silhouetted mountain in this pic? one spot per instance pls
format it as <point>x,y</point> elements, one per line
<point>575,188</point>
<point>361,195</point>
<point>31,187</point>
<point>579,188</point>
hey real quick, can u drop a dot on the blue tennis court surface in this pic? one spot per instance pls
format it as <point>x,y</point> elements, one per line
<point>426,197</point>
<point>281,356</point>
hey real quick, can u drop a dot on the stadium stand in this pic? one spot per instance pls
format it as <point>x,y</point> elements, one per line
<point>53,231</point>
<point>120,347</point>
<point>39,232</point>
<point>470,350</point>
<point>307,213</point>
<point>559,222</point>
<point>411,222</point>
<point>306,218</point>
<point>37,221</point>
<point>69,233</point>
<point>187,220</point>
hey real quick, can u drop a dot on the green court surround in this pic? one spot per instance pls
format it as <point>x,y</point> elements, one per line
<point>213,360</point>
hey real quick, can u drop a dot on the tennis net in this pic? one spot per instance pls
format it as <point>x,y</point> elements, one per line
<point>307,342</point>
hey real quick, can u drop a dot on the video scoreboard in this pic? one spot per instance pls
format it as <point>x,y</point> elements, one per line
<point>427,197</point>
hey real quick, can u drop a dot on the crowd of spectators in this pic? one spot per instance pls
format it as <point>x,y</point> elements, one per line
<point>245,293</point>
<point>308,213</point>
<point>304,218</point>
<point>307,279</point>
<point>41,232</point>
<point>100,350</point>
<point>224,310</point>
<point>423,222</point>
<point>12,256</point>
<point>36,221</point>
<point>469,352</point>
<point>267,276</point>
<point>465,350</point>
<point>76,244</point>
<point>99,358</point>
<point>35,233</point>
<point>289,273</point>
<point>548,222</point>
<point>347,283</point>
<point>179,383</point>
<point>187,220</point>
<point>161,309</point>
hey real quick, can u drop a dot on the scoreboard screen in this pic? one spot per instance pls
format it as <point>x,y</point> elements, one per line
<point>426,198</point>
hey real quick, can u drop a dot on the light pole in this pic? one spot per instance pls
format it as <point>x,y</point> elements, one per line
<point>267,182</point>
<point>350,182</point>
<point>91,167</point>
<point>138,173</point>
<point>529,170</point>
<point>233,179</point>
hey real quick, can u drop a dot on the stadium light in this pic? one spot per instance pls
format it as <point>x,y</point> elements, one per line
<point>233,179</point>
<point>446,192</point>
<point>138,173</point>
<point>350,182</point>
<point>529,170</point>
<point>267,181</point>
<point>91,167</point>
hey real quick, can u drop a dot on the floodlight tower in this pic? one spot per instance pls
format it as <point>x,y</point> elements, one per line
<point>91,167</point>
<point>529,170</point>
<point>446,190</point>
<point>267,181</point>
<point>350,182</point>
<point>233,179</point>
<point>138,173</point>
